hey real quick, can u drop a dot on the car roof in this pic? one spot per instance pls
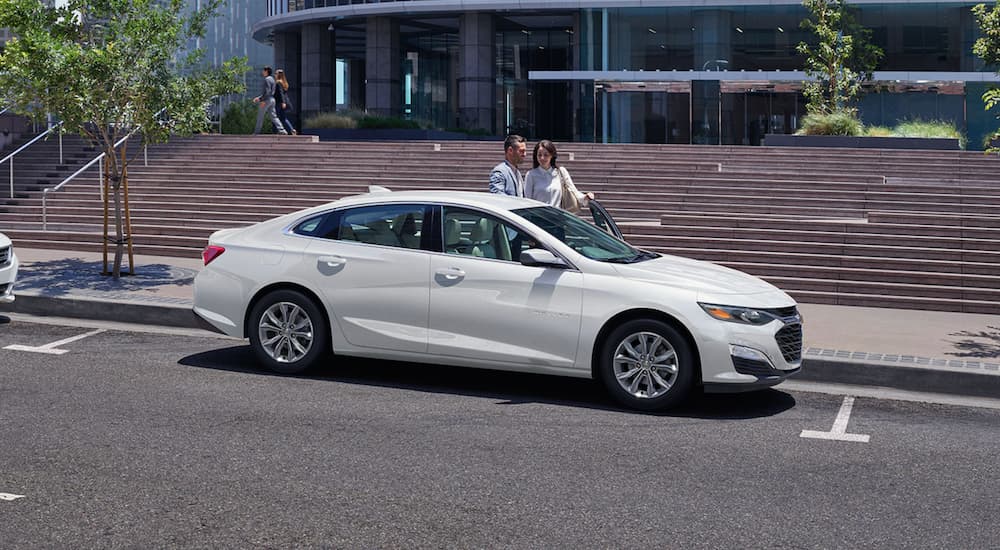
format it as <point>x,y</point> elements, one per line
<point>469,198</point>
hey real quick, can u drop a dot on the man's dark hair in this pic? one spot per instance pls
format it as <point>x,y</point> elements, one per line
<point>512,140</point>
<point>267,69</point>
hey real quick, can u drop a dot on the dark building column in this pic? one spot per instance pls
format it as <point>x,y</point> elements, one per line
<point>355,91</point>
<point>317,82</point>
<point>476,71</point>
<point>383,88</point>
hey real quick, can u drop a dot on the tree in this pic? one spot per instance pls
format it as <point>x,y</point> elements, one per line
<point>841,60</point>
<point>107,68</point>
<point>987,47</point>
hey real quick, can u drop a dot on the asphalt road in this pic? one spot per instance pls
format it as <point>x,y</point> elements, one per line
<point>139,440</point>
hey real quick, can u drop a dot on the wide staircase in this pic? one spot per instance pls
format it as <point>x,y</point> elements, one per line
<point>881,228</point>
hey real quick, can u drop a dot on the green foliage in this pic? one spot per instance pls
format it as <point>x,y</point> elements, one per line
<point>841,58</point>
<point>929,129</point>
<point>837,123</point>
<point>240,117</point>
<point>345,119</point>
<point>108,67</point>
<point>355,118</point>
<point>987,47</point>
<point>843,123</point>
<point>387,122</point>
<point>105,67</point>
<point>878,131</point>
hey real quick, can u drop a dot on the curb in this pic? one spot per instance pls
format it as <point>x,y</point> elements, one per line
<point>105,310</point>
<point>917,379</point>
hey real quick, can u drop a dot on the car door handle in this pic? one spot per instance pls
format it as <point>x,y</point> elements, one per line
<point>331,261</point>
<point>451,273</point>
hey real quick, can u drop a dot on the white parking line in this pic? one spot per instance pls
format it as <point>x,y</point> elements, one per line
<point>839,430</point>
<point>9,497</point>
<point>52,349</point>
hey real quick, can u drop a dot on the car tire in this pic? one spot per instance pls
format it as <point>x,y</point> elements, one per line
<point>288,332</point>
<point>647,365</point>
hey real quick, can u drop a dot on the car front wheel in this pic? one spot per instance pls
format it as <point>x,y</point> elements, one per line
<point>647,365</point>
<point>288,333</point>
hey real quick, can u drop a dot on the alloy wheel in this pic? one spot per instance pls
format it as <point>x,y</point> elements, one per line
<point>286,332</point>
<point>645,365</point>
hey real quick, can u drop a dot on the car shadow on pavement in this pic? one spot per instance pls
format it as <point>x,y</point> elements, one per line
<point>69,275</point>
<point>508,388</point>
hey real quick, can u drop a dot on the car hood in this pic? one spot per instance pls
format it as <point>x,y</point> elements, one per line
<point>705,278</point>
<point>4,241</point>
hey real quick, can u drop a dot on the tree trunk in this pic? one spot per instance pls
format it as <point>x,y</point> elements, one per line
<point>116,190</point>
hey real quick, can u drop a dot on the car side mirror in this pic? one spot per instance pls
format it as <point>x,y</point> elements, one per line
<point>541,258</point>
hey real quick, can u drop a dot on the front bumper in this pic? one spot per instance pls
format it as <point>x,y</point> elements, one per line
<point>8,275</point>
<point>744,358</point>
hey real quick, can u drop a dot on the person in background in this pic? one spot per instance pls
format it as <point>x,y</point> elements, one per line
<point>549,183</point>
<point>282,101</point>
<point>505,178</point>
<point>266,103</point>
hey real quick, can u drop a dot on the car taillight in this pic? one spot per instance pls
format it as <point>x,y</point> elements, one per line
<point>211,252</point>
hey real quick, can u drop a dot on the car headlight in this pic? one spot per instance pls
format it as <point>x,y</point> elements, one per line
<point>736,314</point>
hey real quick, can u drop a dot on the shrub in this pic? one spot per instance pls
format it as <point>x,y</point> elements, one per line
<point>387,122</point>
<point>930,129</point>
<point>838,123</point>
<point>345,119</point>
<point>240,118</point>
<point>878,131</point>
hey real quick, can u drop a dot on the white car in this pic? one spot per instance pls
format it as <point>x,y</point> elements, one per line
<point>8,270</point>
<point>492,281</point>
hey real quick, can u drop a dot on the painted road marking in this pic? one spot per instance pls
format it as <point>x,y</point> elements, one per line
<point>52,349</point>
<point>839,430</point>
<point>9,497</point>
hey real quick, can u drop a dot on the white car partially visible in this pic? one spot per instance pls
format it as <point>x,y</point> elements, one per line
<point>8,270</point>
<point>491,281</point>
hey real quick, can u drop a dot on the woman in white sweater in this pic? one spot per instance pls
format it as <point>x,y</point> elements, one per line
<point>546,181</point>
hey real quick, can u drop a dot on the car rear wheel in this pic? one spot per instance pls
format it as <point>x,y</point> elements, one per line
<point>647,365</point>
<point>288,332</point>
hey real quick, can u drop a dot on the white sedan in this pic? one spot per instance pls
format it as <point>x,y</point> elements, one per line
<point>498,282</point>
<point>8,270</point>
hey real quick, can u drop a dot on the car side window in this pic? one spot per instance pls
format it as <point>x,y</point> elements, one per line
<point>471,233</point>
<point>311,226</point>
<point>397,225</point>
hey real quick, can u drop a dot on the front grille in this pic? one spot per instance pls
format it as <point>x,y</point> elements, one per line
<point>3,289</point>
<point>789,340</point>
<point>785,312</point>
<point>4,255</point>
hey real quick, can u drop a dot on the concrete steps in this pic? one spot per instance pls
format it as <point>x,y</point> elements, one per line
<point>878,228</point>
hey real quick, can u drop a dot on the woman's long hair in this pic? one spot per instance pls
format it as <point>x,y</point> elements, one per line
<point>280,77</point>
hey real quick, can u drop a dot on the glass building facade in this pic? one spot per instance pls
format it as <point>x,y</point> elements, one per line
<point>665,72</point>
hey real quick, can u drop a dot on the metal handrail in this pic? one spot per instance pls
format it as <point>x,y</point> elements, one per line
<point>99,159</point>
<point>10,157</point>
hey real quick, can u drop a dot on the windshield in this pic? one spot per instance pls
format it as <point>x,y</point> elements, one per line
<point>581,236</point>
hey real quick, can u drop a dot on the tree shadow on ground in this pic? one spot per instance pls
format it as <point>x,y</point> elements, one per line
<point>984,344</point>
<point>508,388</point>
<point>63,276</point>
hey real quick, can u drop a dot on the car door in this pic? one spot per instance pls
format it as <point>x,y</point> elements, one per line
<point>486,306</point>
<point>603,220</point>
<point>374,274</point>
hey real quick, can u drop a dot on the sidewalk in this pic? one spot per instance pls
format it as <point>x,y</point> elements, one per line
<point>924,351</point>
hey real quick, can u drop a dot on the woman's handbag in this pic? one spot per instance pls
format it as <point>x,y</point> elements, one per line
<point>569,201</point>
